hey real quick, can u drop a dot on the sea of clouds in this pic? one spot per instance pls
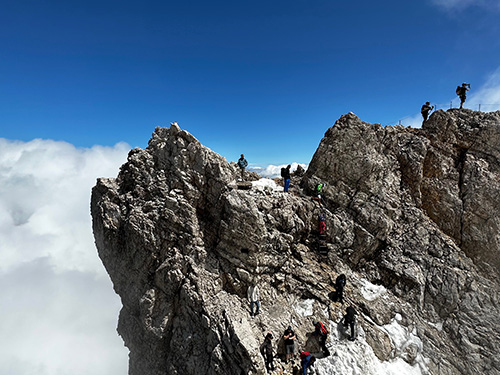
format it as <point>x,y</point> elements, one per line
<point>59,312</point>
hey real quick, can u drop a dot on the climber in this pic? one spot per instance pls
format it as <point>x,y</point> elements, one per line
<point>285,173</point>
<point>349,319</point>
<point>318,190</point>
<point>253,296</point>
<point>289,337</point>
<point>266,349</point>
<point>426,108</point>
<point>307,361</point>
<point>242,163</point>
<point>322,333</point>
<point>339,288</point>
<point>322,223</point>
<point>462,91</point>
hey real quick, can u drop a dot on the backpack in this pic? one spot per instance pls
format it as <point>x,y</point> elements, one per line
<point>458,90</point>
<point>303,355</point>
<point>283,172</point>
<point>321,328</point>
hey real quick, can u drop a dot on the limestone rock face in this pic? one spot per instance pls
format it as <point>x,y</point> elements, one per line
<point>413,212</point>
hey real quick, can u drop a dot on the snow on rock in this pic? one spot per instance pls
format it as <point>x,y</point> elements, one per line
<point>305,307</point>
<point>358,358</point>
<point>370,291</point>
<point>266,184</point>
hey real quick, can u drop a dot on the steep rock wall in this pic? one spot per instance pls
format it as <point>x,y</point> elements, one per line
<point>182,245</point>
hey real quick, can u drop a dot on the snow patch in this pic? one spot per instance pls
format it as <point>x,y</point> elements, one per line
<point>305,308</point>
<point>370,291</point>
<point>266,184</point>
<point>358,358</point>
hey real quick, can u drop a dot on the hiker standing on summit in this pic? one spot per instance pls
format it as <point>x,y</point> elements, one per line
<point>426,108</point>
<point>462,92</point>
<point>242,163</point>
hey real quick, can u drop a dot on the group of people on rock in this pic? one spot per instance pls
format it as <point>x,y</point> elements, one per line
<point>289,336</point>
<point>461,91</point>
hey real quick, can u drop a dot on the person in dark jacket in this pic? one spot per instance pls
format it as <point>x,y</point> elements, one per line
<point>349,319</point>
<point>339,288</point>
<point>285,173</point>
<point>242,163</point>
<point>289,338</point>
<point>426,108</point>
<point>266,349</point>
<point>462,93</point>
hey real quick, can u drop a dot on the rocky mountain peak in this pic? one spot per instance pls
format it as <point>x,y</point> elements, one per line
<point>412,220</point>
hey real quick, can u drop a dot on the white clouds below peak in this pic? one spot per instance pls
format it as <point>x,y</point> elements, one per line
<point>59,311</point>
<point>45,201</point>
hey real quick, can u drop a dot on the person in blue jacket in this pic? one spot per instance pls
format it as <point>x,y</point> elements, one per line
<point>242,163</point>
<point>285,173</point>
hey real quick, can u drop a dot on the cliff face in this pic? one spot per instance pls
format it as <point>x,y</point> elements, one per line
<point>411,213</point>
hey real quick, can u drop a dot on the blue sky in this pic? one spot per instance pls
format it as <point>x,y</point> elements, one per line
<point>266,78</point>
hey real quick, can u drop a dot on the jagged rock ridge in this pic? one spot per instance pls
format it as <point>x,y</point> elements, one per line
<point>413,210</point>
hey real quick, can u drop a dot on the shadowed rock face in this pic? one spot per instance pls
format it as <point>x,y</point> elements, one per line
<point>414,210</point>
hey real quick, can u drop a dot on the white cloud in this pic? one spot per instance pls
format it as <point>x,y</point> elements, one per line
<point>44,201</point>
<point>488,95</point>
<point>59,311</point>
<point>459,5</point>
<point>273,171</point>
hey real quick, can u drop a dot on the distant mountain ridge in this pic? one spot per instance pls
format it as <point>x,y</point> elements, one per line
<point>413,211</point>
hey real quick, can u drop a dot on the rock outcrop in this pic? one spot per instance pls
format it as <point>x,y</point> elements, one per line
<point>411,213</point>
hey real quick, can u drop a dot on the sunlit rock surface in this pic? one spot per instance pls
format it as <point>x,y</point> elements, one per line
<point>412,220</point>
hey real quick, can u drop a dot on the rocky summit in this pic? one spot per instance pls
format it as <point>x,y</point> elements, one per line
<point>412,219</point>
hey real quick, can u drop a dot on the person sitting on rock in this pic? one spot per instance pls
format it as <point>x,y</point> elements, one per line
<point>289,338</point>
<point>349,319</point>
<point>322,333</point>
<point>242,163</point>
<point>266,349</point>
<point>426,108</point>
<point>253,296</point>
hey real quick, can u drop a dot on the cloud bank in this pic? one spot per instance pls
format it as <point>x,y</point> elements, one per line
<point>273,171</point>
<point>59,311</point>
